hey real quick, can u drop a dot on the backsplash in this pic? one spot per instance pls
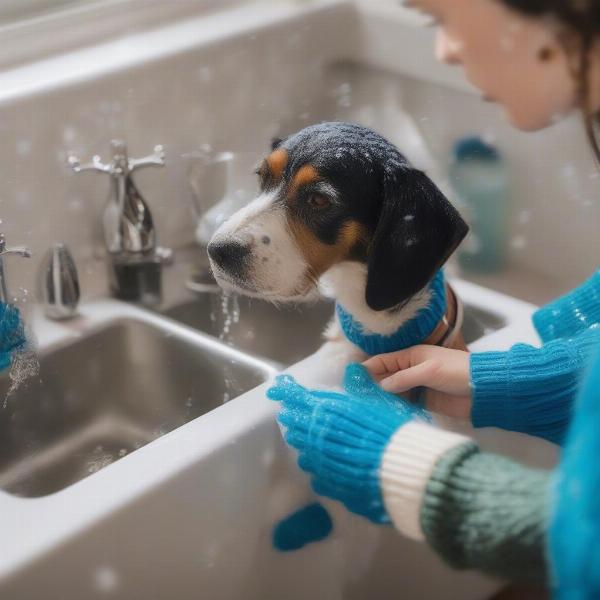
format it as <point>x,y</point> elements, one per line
<point>234,92</point>
<point>227,94</point>
<point>555,204</point>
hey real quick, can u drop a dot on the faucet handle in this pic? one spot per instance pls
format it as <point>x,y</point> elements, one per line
<point>22,251</point>
<point>4,251</point>
<point>156,159</point>
<point>95,164</point>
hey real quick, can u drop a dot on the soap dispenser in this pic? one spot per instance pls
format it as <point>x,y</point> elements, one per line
<point>479,176</point>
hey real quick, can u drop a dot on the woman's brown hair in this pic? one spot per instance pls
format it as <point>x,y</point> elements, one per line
<point>579,23</point>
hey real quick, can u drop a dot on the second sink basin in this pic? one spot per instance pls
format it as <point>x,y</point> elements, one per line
<point>287,334</point>
<point>108,393</point>
<point>284,334</point>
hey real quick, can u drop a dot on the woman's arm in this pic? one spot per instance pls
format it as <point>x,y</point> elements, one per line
<point>476,510</point>
<point>571,314</point>
<point>525,389</point>
<point>530,390</point>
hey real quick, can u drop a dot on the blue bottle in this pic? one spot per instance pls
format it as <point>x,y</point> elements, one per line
<point>480,179</point>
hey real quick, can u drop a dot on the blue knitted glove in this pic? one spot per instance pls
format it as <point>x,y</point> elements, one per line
<point>341,437</point>
<point>12,333</point>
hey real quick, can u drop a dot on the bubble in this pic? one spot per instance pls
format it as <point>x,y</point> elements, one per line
<point>205,74</point>
<point>68,134</point>
<point>518,242</point>
<point>524,217</point>
<point>342,95</point>
<point>24,147</point>
<point>106,579</point>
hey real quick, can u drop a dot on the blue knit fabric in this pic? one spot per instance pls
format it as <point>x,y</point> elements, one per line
<point>311,523</point>
<point>415,331</point>
<point>12,334</point>
<point>570,314</point>
<point>340,437</point>
<point>532,390</point>
<point>528,389</point>
<point>574,540</point>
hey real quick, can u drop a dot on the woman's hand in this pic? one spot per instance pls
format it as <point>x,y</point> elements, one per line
<point>443,372</point>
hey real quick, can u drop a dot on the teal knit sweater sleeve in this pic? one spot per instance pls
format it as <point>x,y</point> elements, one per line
<point>528,389</point>
<point>571,314</point>
<point>482,511</point>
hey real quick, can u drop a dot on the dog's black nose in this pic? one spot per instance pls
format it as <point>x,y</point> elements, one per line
<point>231,256</point>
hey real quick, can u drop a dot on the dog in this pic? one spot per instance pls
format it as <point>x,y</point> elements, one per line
<point>341,211</point>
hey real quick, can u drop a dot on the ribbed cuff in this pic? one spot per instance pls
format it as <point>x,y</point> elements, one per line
<point>490,382</point>
<point>568,315</point>
<point>529,389</point>
<point>407,463</point>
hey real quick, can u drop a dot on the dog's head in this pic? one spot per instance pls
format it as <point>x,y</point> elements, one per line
<point>330,193</point>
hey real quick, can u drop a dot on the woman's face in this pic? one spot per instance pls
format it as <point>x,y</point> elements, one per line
<point>513,60</point>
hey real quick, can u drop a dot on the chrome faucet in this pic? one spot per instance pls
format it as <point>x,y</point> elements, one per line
<point>4,251</point>
<point>129,233</point>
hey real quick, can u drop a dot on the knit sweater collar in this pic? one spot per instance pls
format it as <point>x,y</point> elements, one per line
<point>414,331</point>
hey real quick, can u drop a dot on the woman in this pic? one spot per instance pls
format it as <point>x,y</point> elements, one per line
<point>377,455</point>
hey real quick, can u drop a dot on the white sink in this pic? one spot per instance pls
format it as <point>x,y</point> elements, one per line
<point>190,514</point>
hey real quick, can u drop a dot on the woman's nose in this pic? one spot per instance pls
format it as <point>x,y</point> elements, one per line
<point>446,49</point>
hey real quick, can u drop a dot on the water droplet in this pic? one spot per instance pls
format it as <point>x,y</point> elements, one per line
<point>518,242</point>
<point>106,579</point>
<point>524,217</point>
<point>24,147</point>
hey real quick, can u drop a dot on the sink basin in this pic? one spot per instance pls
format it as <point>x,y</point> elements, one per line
<point>106,394</point>
<point>286,334</point>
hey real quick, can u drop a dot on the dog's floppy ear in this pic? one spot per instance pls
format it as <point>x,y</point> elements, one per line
<point>418,229</point>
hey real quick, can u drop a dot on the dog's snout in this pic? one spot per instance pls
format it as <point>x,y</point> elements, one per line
<point>231,256</point>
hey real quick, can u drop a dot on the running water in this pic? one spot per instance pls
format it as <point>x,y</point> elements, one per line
<point>229,307</point>
<point>225,312</point>
<point>25,364</point>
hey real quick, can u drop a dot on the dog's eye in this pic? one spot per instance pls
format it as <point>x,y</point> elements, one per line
<point>319,201</point>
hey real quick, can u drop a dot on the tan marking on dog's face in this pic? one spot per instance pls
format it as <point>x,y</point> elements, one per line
<point>305,175</point>
<point>320,256</point>
<point>276,163</point>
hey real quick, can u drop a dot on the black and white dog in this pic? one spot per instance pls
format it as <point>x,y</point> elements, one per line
<point>341,209</point>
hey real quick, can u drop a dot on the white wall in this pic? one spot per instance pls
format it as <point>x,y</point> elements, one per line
<point>555,204</point>
<point>233,81</point>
